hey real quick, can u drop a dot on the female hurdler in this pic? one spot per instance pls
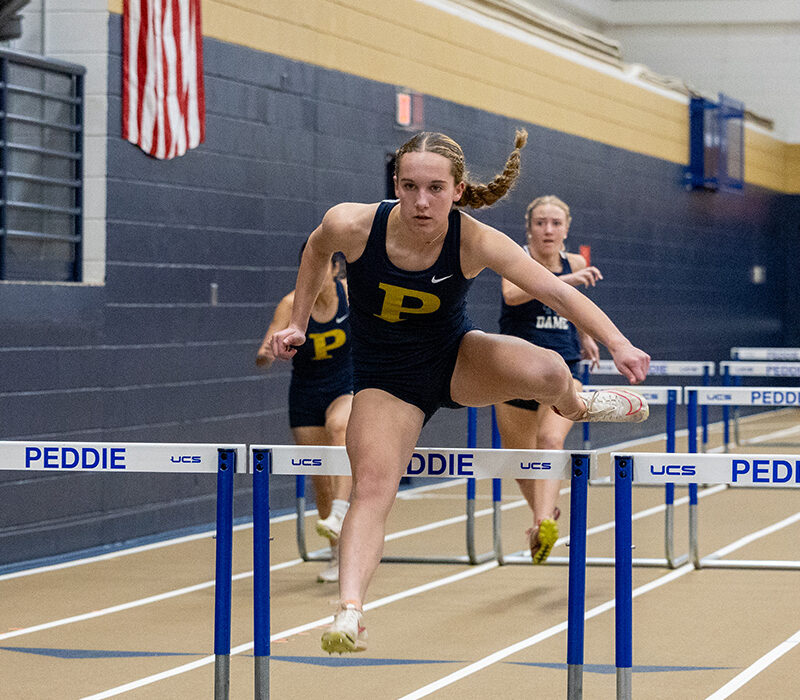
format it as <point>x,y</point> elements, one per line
<point>410,263</point>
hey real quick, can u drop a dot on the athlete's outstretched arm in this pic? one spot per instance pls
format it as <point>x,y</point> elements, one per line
<point>488,247</point>
<point>332,235</point>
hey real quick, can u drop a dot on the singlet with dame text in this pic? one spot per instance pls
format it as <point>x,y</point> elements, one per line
<point>540,325</point>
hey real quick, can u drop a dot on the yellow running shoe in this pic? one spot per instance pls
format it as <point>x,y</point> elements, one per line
<point>542,538</point>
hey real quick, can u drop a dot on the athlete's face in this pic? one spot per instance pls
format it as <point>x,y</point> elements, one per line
<point>425,186</point>
<point>547,229</point>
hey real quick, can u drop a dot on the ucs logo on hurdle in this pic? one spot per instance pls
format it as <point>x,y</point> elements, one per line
<point>673,469</point>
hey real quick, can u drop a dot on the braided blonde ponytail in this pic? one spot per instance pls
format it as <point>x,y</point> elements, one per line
<point>475,195</point>
<point>478,195</point>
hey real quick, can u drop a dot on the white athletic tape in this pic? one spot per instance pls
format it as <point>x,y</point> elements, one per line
<point>95,457</point>
<point>745,396</point>
<point>433,462</point>
<point>666,368</point>
<point>760,369</point>
<point>686,468</point>
<point>765,354</point>
<point>655,395</point>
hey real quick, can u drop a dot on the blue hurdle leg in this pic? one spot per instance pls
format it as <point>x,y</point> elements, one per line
<point>669,489</point>
<point>577,575</point>
<point>623,576</point>
<point>261,622</point>
<point>224,572</point>
<point>472,442</point>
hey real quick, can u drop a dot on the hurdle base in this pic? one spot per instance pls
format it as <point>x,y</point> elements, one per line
<point>574,681</point>
<point>657,562</point>
<point>222,677</point>
<point>323,554</point>
<point>261,678</point>
<point>463,559</point>
<point>624,685</point>
<point>770,564</point>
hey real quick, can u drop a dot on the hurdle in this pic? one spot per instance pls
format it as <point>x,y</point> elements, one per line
<point>687,469</point>
<point>733,371</point>
<point>658,368</point>
<point>791,354</point>
<point>121,457</point>
<point>669,396</point>
<point>739,396</point>
<point>471,557</point>
<point>426,462</point>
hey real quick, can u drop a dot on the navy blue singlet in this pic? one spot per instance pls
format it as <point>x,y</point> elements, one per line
<point>408,325</point>
<point>540,325</point>
<point>322,367</point>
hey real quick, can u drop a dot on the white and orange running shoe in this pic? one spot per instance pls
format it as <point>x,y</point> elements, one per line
<point>614,406</point>
<point>346,634</point>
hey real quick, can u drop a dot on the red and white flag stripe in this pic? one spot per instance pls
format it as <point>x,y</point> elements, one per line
<point>163,100</point>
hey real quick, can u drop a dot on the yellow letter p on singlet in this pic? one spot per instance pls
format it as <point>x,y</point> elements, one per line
<point>327,341</point>
<point>424,303</point>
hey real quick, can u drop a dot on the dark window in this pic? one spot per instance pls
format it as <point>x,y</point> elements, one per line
<point>390,176</point>
<point>41,168</point>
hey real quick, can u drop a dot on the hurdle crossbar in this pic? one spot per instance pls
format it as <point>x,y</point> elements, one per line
<point>471,463</point>
<point>735,396</point>
<point>790,354</point>
<point>121,457</point>
<point>688,469</point>
<point>733,371</point>
<point>471,557</point>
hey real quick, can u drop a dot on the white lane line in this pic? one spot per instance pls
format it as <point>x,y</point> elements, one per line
<point>752,671</point>
<point>184,668</point>
<point>209,584</point>
<point>197,536</point>
<point>769,436</point>
<point>752,537</point>
<point>117,608</point>
<point>535,639</point>
<point>508,651</point>
<point>117,554</point>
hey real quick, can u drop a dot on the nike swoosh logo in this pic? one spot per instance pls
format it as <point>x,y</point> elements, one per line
<point>339,319</point>
<point>436,280</point>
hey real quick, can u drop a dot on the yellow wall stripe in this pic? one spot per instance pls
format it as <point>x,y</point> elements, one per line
<point>408,43</point>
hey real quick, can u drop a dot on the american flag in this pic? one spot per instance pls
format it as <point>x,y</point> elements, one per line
<point>163,101</point>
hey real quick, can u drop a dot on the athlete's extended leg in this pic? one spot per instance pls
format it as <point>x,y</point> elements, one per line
<point>495,368</point>
<point>381,436</point>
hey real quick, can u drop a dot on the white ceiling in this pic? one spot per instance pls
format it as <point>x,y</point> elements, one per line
<point>714,12</point>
